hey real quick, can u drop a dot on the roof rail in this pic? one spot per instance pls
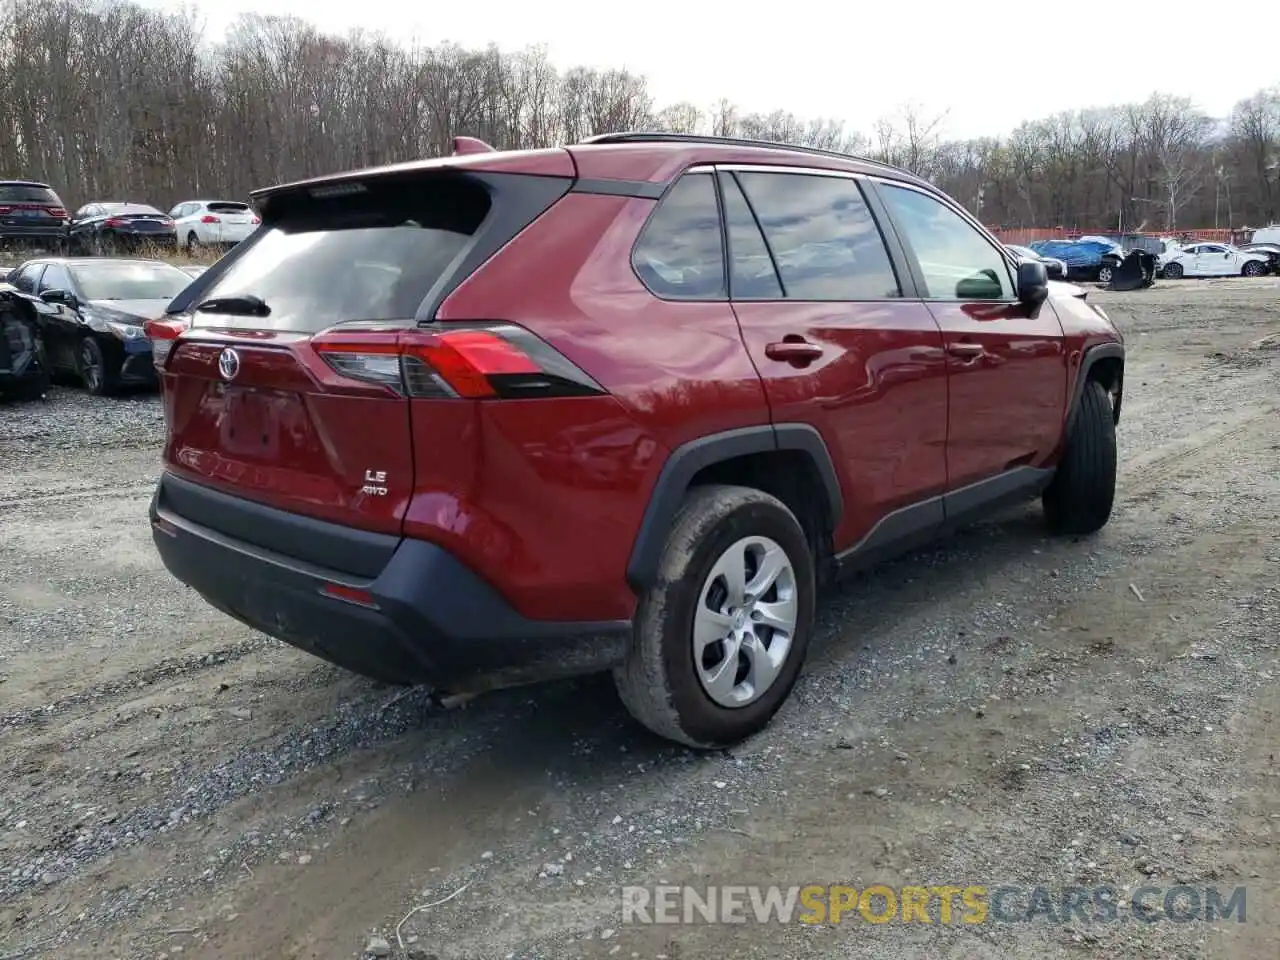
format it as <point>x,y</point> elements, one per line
<point>641,136</point>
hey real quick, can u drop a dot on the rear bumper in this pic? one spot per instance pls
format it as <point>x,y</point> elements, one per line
<point>41,232</point>
<point>429,618</point>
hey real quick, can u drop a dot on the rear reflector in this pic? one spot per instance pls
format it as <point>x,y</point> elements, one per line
<point>474,361</point>
<point>347,594</point>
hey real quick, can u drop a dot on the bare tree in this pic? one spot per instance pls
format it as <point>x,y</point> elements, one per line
<point>278,100</point>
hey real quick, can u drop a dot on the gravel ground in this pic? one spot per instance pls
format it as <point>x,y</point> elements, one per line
<point>1001,709</point>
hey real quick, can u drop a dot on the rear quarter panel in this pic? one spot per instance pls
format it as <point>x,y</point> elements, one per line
<point>569,480</point>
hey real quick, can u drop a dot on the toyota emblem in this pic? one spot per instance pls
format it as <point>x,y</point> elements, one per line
<point>228,364</point>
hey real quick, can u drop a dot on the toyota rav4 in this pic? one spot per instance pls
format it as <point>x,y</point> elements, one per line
<point>620,406</point>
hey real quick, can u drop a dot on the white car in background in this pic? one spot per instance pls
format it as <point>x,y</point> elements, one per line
<point>1213,260</point>
<point>213,223</point>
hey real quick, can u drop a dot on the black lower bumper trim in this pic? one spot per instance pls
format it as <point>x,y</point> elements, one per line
<point>432,620</point>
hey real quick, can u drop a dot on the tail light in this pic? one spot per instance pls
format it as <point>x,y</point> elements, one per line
<point>162,334</point>
<point>479,361</point>
<point>113,222</point>
<point>209,218</point>
<point>256,219</point>
<point>5,208</point>
<point>58,212</point>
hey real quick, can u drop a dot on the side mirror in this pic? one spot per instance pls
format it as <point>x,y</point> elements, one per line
<point>1033,282</point>
<point>1055,271</point>
<point>64,297</point>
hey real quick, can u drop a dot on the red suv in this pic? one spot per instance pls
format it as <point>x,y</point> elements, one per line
<point>624,406</point>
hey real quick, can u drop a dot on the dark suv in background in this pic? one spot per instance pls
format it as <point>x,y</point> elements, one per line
<point>31,214</point>
<point>620,406</point>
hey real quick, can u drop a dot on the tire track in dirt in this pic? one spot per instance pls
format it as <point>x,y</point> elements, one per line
<point>1142,473</point>
<point>113,491</point>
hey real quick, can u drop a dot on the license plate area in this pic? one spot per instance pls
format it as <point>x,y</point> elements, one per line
<point>250,421</point>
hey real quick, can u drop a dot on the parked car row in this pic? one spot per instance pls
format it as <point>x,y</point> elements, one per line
<point>1099,258</point>
<point>32,214</point>
<point>83,318</point>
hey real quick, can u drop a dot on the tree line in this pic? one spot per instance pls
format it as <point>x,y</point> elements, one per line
<point>112,101</point>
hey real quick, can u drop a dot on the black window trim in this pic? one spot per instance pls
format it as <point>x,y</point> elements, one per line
<point>710,171</point>
<point>875,183</point>
<point>908,284</point>
<point>721,176</point>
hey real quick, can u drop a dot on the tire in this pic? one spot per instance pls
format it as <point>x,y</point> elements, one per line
<point>1105,274</point>
<point>1173,271</point>
<point>96,372</point>
<point>661,681</point>
<point>1252,268</point>
<point>192,242</point>
<point>1079,499</point>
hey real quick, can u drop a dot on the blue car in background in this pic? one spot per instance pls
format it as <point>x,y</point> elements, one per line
<point>1091,259</point>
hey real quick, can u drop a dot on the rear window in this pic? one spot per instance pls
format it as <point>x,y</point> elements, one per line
<point>227,207</point>
<point>370,254</point>
<point>126,208</point>
<point>26,193</point>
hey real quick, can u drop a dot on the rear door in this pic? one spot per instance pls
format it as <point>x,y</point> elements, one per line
<point>838,340</point>
<point>1007,362</point>
<point>259,405</point>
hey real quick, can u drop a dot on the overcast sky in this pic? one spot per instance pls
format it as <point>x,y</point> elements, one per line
<point>990,63</point>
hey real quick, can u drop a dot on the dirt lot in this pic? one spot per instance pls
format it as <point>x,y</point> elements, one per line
<point>1004,709</point>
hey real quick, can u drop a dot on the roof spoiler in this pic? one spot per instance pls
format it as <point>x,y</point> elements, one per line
<point>465,145</point>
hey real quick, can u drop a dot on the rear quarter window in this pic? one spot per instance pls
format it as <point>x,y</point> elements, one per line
<point>369,255</point>
<point>680,253</point>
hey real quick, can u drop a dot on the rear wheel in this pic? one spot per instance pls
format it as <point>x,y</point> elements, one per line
<point>1173,271</point>
<point>192,242</point>
<point>1080,497</point>
<point>721,636</point>
<point>1252,268</point>
<point>95,369</point>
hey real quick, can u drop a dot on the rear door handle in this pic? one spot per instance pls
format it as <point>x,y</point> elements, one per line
<point>966,349</point>
<point>798,352</point>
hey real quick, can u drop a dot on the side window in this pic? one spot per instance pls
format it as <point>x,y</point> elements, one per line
<point>751,272</point>
<point>957,261</point>
<point>55,277</point>
<point>822,235</point>
<point>680,253</point>
<point>26,278</point>
<point>178,212</point>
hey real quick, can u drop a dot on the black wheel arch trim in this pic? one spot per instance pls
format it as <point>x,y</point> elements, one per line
<point>686,460</point>
<point>1094,354</point>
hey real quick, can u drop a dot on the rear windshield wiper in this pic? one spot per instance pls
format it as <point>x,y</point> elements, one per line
<point>245,304</point>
